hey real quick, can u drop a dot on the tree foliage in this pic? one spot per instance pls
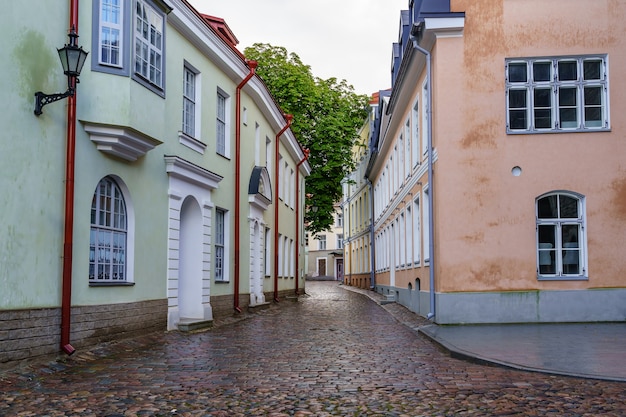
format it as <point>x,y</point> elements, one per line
<point>326,116</point>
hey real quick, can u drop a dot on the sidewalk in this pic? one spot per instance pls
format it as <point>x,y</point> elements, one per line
<point>588,350</point>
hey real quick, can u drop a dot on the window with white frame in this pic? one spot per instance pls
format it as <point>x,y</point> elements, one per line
<point>560,236</point>
<point>268,251</point>
<point>407,153</point>
<point>415,148</point>
<point>557,94</point>
<point>281,174</point>
<point>257,144</point>
<point>222,124</point>
<point>268,154</point>
<point>425,105</point>
<point>280,255</point>
<point>220,245</point>
<point>322,242</point>
<point>292,188</point>
<point>189,101</point>
<point>402,235</point>
<point>111,28</point>
<point>416,231</point>
<point>409,235</point>
<point>339,222</point>
<point>340,241</point>
<point>108,234</point>
<point>426,226</point>
<point>149,28</point>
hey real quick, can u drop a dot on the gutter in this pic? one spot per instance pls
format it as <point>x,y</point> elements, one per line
<point>288,118</point>
<point>252,65</point>
<point>66,292</point>
<point>297,277</point>
<point>431,182</point>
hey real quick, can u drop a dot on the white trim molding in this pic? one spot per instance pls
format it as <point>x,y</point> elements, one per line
<point>120,141</point>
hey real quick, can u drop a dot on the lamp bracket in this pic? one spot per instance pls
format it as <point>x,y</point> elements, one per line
<point>41,99</point>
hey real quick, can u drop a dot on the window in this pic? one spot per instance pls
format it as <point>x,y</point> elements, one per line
<point>111,27</point>
<point>221,124</point>
<point>340,241</point>
<point>220,258</point>
<point>425,105</point>
<point>407,157</point>
<point>339,220</point>
<point>415,134</point>
<point>560,236</point>
<point>189,101</point>
<point>416,231</point>
<point>268,252</point>
<point>557,94</point>
<point>108,234</point>
<point>149,27</point>
<point>426,226</point>
<point>322,242</point>
<point>268,154</point>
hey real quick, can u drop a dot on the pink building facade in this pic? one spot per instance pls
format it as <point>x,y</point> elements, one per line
<point>498,163</point>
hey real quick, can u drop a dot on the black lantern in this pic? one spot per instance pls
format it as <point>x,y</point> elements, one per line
<point>72,58</point>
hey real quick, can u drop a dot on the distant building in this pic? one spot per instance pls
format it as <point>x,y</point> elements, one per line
<point>325,250</point>
<point>497,162</point>
<point>356,205</point>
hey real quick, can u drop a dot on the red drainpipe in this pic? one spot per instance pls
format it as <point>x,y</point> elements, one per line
<point>252,65</point>
<point>66,294</point>
<point>297,277</point>
<point>289,118</point>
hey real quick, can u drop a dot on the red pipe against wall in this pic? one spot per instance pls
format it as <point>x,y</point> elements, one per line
<point>288,118</point>
<point>66,294</point>
<point>252,65</point>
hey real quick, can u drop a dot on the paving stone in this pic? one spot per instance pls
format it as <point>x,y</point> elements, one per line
<point>331,353</point>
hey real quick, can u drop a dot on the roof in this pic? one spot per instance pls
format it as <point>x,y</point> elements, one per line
<point>221,28</point>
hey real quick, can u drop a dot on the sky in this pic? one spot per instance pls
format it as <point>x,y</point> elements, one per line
<point>345,39</point>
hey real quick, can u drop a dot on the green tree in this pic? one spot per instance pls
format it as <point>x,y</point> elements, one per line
<point>326,116</point>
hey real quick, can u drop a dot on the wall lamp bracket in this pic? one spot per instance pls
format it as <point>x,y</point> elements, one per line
<point>72,59</point>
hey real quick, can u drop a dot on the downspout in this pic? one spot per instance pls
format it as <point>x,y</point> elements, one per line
<point>297,277</point>
<point>66,292</point>
<point>372,245</point>
<point>252,65</point>
<point>288,118</point>
<point>431,182</point>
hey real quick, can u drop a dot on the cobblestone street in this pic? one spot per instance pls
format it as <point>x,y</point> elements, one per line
<point>334,352</point>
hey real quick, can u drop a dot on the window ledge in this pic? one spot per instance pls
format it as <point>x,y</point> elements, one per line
<point>120,141</point>
<point>191,142</point>
<point>111,284</point>
<point>221,282</point>
<point>562,278</point>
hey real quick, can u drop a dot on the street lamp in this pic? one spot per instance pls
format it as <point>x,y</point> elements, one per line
<point>72,58</point>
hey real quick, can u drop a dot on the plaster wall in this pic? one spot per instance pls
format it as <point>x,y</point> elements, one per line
<point>485,232</point>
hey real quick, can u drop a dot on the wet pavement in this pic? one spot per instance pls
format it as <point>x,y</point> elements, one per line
<point>332,353</point>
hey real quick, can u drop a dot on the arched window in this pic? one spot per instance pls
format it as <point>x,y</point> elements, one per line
<point>108,235</point>
<point>561,236</point>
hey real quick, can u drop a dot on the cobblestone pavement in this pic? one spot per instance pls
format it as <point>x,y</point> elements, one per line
<point>332,353</point>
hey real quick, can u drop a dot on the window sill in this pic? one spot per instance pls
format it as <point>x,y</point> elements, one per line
<point>222,282</point>
<point>562,278</point>
<point>111,284</point>
<point>191,142</point>
<point>556,131</point>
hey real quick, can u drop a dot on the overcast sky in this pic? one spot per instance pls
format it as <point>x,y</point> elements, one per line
<point>345,39</point>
